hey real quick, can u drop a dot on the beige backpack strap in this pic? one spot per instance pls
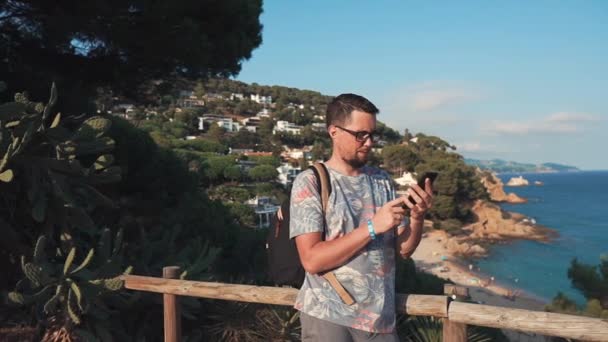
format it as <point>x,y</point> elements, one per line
<point>330,276</point>
<point>335,283</point>
<point>325,184</point>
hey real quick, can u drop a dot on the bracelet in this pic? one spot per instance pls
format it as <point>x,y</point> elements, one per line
<point>370,229</point>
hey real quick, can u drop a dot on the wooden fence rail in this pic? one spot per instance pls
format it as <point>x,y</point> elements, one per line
<point>456,315</point>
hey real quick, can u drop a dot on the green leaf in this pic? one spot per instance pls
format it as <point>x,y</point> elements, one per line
<point>104,161</point>
<point>6,176</point>
<point>76,290</point>
<point>39,254</point>
<point>56,120</point>
<point>71,311</point>
<point>118,241</point>
<point>12,124</point>
<point>51,304</point>
<point>128,270</point>
<point>33,273</point>
<point>91,129</point>
<point>85,262</point>
<point>16,298</point>
<point>112,284</point>
<point>52,100</point>
<point>69,260</point>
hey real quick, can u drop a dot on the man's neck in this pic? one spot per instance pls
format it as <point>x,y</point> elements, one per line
<point>342,167</point>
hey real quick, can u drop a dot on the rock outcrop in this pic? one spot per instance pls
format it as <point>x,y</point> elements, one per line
<point>493,223</point>
<point>495,188</point>
<point>518,181</point>
<point>464,246</point>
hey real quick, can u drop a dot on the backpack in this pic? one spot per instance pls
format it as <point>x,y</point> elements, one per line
<point>284,266</point>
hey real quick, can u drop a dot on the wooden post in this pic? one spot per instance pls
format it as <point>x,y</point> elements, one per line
<point>171,308</point>
<point>452,331</point>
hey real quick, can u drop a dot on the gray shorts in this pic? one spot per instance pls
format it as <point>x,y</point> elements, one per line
<point>318,330</point>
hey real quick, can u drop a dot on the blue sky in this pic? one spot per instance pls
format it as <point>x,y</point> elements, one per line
<point>519,80</point>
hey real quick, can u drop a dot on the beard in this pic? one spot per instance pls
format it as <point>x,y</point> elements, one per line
<point>358,160</point>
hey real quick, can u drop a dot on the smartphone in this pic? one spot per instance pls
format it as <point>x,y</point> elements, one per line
<point>432,175</point>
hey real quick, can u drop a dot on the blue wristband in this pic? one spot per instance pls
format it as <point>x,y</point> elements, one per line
<point>370,229</point>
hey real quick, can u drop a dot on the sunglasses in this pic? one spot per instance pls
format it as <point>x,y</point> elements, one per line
<point>361,136</point>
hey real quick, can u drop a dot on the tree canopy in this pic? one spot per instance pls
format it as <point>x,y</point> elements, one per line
<point>123,43</point>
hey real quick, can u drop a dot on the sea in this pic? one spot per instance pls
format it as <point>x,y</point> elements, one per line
<point>575,204</point>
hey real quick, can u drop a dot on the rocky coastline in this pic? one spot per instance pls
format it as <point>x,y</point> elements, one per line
<point>450,255</point>
<point>495,189</point>
<point>494,225</point>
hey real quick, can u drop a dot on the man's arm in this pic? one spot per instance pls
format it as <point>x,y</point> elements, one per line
<point>409,236</point>
<point>317,255</point>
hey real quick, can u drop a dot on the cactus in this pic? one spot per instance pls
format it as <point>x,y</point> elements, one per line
<point>51,304</point>
<point>45,168</point>
<point>91,129</point>
<point>69,260</point>
<point>71,309</point>
<point>39,252</point>
<point>112,284</point>
<point>85,262</point>
<point>103,162</point>
<point>74,288</point>
<point>6,176</point>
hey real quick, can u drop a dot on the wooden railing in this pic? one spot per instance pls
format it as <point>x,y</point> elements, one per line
<point>455,315</point>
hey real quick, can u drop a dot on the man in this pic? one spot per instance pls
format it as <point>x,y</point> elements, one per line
<point>364,224</point>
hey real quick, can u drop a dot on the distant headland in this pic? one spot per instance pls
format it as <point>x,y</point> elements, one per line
<point>503,166</point>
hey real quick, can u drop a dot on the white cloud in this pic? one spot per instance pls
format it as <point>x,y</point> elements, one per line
<point>470,147</point>
<point>571,117</point>
<point>478,147</point>
<point>557,123</point>
<point>428,100</point>
<point>432,95</point>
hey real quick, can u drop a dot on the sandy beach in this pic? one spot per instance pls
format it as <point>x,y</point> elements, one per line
<point>432,256</point>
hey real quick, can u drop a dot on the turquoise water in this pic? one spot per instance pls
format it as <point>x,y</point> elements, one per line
<point>576,205</point>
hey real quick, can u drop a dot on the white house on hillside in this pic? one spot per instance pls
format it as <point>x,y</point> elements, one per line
<point>229,125</point>
<point>264,113</point>
<point>286,126</point>
<point>261,99</point>
<point>237,96</point>
<point>251,124</point>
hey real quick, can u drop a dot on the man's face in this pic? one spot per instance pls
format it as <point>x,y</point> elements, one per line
<point>345,142</point>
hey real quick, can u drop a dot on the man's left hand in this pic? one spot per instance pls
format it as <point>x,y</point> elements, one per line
<point>423,199</point>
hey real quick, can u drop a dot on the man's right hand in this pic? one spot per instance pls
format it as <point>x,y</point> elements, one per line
<point>389,216</point>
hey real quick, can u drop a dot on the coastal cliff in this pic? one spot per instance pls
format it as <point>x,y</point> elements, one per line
<point>495,188</point>
<point>493,223</point>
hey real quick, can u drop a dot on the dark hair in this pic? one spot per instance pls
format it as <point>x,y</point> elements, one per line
<point>340,108</point>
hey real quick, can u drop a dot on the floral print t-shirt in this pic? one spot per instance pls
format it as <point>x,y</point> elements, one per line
<point>369,276</point>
